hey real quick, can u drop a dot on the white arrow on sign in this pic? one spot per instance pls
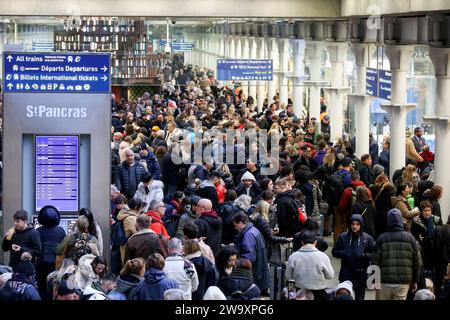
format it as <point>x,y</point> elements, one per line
<point>104,78</point>
<point>104,68</point>
<point>9,85</point>
<point>9,58</point>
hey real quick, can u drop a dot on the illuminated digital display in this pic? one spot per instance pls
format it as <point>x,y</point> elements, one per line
<point>57,172</point>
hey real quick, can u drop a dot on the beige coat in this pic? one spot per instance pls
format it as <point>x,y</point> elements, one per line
<point>129,225</point>
<point>411,150</point>
<point>407,212</point>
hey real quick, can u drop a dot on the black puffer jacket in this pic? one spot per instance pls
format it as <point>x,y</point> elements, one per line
<point>210,226</point>
<point>287,214</point>
<point>397,253</point>
<point>123,178</point>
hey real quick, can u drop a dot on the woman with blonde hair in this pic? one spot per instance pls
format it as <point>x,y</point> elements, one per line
<point>382,191</point>
<point>130,276</point>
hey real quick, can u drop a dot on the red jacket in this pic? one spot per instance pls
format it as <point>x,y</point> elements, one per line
<point>427,156</point>
<point>157,225</point>
<point>221,190</point>
<point>346,199</point>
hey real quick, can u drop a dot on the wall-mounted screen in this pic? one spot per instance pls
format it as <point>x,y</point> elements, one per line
<point>57,176</point>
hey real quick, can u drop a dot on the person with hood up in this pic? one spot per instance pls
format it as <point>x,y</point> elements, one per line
<point>399,202</point>
<point>249,187</point>
<point>149,190</point>
<point>354,248</point>
<point>202,265</point>
<point>344,291</point>
<point>21,238</point>
<point>155,280</point>
<point>51,234</point>
<point>397,255</point>
<point>21,286</point>
<point>130,276</point>
<point>287,209</point>
<point>251,246</point>
<point>209,224</point>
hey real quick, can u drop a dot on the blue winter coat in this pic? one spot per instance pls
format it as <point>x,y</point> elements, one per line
<point>152,165</point>
<point>19,287</point>
<point>154,284</point>
<point>355,253</point>
<point>123,177</point>
<point>251,246</point>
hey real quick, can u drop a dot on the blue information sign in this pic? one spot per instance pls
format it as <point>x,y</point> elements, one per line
<point>372,82</point>
<point>56,72</point>
<point>245,69</point>
<point>384,84</point>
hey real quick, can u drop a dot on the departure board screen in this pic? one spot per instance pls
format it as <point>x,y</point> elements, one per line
<point>57,172</point>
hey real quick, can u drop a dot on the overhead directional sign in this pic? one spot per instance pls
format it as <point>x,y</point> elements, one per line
<point>245,69</point>
<point>178,46</point>
<point>42,46</point>
<point>378,83</point>
<point>56,72</point>
<point>384,84</point>
<point>372,82</point>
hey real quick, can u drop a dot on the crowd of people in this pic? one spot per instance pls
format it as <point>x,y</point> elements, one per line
<point>211,229</point>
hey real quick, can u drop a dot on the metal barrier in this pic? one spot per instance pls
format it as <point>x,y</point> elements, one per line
<point>277,271</point>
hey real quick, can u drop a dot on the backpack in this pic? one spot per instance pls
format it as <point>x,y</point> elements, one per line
<point>333,188</point>
<point>239,295</point>
<point>352,200</point>
<point>171,224</point>
<point>118,236</point>
<point>80,247</point>
<point>49,251</point>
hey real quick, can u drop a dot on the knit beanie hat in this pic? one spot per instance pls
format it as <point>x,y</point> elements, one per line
<point>248,176</point>
<point>347,285</point>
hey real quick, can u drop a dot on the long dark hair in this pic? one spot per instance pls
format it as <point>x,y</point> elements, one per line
<point>88,214</point>
<point>100,260</point>
<point>222,256</point>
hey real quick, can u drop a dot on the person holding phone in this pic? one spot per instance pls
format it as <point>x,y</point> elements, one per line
<point>22,238</point>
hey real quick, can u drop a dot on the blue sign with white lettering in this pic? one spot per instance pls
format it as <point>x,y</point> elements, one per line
<point>56,72</point>
<point>245,69</point>
<point>372,82</point>
<point>384,84</point>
